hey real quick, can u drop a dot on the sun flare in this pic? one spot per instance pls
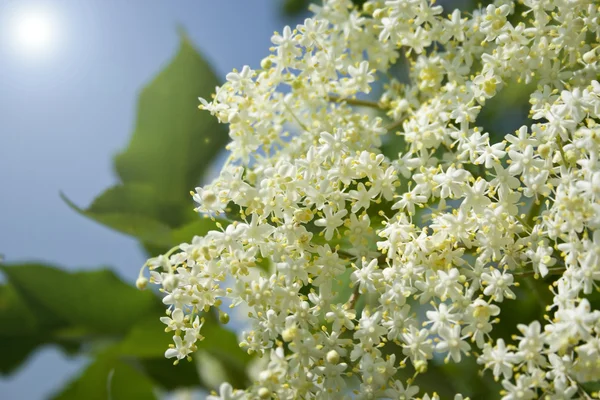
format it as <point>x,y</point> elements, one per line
<point>34,32</point>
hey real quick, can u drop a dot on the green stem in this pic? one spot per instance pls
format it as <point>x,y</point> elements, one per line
<point>355,102</point>
<point>551,271</point>
<point>295,117</point>
<point>346,255</point>
<point>394,125</point>
<point>561,150</point>
<point>582,392</point>
<point>353,298</point>
<point>530,282</point>
<point>523,222</point>
<point>534,211</point>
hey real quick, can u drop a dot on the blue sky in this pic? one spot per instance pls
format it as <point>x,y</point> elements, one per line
<point>68,106</point>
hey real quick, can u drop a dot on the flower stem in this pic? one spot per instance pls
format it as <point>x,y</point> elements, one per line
<point>533,211</point>
<point>394,125</point>
<point>355,102</point>
<point>295,117</point>
<point>551,271</point>
<point>353,298</point>
<point>523,222</point>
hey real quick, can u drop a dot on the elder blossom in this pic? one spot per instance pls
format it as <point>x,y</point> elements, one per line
<point>355,261</point>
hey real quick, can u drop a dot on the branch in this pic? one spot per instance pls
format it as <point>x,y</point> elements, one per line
<point>353,298</point>
<point>346,255</point>
<point>394,125</point>
<point>295,117</point>
<point>551,271</point>
<point>355,102</point>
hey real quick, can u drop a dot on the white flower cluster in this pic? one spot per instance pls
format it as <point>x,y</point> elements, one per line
<point>432,240</point>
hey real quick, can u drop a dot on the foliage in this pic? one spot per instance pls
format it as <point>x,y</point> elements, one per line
<point>169,152</point>
<point>94,312</point>
<point>118,327</point>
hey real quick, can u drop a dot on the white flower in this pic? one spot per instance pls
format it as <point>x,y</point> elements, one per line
<point>331,221</point>
<point>417,345</point>
<point>182,347</point>
<point>452,182</point>
<point>520,391</point>
<point>226,392</point>
<point>497,285</point>
<point>452,343</point>
<point>441,318</point>
<point>367,276</point>
<point>498,359</point>
<point>361,77</point>
<point>319,176</point>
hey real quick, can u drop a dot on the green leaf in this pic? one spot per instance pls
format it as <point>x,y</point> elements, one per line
<point>466,378</point>
<point>139,226</point>
<point>292,7</point>
<point>128,383</point>
<point>227,344</point>
<point>147,339</point>
<point>506,112</point>
<point>200,227</point>
<point>172,146</point>
<point>527,307</point>
<point>145,229</point>
<point>149,231</point>
<point>223,345</point>
<point>19,335</point>
<point>144,200</point>
<point>174,142</point>
<point>134,198</point>
<point>108,378</point>
<point>169,376</point>
<point>25,325</point>
<point>15,317</point>
<point>393,144</point>
<point>15,350</point>
<point>591,387</point>
<point>95,300</point>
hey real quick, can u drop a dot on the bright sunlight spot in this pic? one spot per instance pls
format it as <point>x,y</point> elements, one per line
<point>34,31</point>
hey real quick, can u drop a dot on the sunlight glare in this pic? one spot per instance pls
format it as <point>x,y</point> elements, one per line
<point>34,32</point>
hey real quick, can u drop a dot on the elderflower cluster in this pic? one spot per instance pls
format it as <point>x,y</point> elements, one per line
<point>361,268</point>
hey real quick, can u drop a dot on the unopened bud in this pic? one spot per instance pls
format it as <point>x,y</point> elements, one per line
<point>289,334</point>
<point>571,156</point>
<point>266,63</point>
<point>421,366</point>
<point>333,357</point>
<point>264,393</point>
<point>590,56</point>
<point>141,283</point>
<point>223,317</point>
